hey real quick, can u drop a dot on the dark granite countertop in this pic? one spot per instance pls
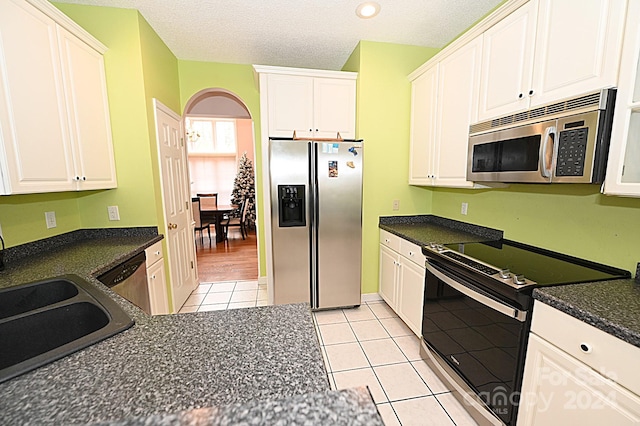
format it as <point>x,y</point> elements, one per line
<point>423,229</point>
<point>163,364</point>
<point>353,407</point>
<point>611,306</point>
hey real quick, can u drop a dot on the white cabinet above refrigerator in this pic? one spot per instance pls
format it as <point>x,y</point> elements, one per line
<point>313,103</point>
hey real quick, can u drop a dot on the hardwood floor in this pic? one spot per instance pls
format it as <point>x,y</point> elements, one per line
<point>231,260</point>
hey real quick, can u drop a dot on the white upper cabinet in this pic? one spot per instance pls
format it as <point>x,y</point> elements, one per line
<point>334,108</point>
<point>623,169</point>
<point>548,50</point>
<point>578,45</point>
<point>424,91</point>
<point>457,108</point>
<point>35,136</point>
<point>54,122</point>
<point>507,63</point>
<point>444,104</point>
<point>86,92</point>
<point>290,105</point>
<point>313,103</point>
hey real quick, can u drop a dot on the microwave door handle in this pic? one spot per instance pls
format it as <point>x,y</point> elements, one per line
<point>547,156</point>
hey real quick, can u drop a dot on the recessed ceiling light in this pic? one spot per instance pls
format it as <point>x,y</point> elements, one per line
<point>368,10</point>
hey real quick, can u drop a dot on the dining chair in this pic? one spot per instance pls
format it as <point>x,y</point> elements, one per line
<point>238,221</point>
<point>201,224</point>
<point>208,201</point>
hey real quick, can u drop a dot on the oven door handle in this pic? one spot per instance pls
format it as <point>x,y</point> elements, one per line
<point>480,298</point>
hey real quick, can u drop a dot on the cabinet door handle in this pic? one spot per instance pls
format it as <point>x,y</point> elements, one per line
<point>158,253</point>
<point>531,92</point>
<point>153,277</point>
<point>410,253</point>
<point>586,348</point>
<point>520,96</point>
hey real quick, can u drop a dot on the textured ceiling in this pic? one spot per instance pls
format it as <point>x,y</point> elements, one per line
<point>296,33</point>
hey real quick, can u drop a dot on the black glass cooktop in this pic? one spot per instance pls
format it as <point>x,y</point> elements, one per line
<point>542,266</point>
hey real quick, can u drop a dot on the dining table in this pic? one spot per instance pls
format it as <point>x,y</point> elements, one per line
<point>216,214</point>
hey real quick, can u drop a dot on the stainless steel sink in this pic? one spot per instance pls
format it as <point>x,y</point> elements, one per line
<point>46,320</point>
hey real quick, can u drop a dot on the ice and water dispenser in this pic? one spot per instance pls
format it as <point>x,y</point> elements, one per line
<point>291,206</point>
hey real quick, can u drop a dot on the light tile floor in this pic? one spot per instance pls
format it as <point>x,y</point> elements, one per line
<point>368,345</point>
<point>371,346</point>
<point>226,295</point>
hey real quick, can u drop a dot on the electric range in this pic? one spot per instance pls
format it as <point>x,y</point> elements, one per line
<point>477,315</point>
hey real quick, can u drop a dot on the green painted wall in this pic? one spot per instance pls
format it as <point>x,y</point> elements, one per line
<point>22,216</point>
<point>238,79</point>
<point>572,219</point>
<point>161,82</point>
<point>383,118</point>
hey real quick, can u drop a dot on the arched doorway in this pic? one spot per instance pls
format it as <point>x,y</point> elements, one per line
<point>219,130</point>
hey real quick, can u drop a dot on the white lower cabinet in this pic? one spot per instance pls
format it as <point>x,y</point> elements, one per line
<point>402,278</point>
<point>411,294</point>
<point>388,275</point>
<point>577,374</point>
<point>156,280</point>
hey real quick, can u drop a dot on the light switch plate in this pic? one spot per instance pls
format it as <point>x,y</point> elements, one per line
<point>50,217</point>
<point>114,214</point>
<point>464,208</point>
<point>396,204</point>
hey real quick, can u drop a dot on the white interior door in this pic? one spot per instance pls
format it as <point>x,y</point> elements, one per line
<point>176,201</point>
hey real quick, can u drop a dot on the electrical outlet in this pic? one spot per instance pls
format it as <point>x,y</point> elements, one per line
<point>50,217</point>
<point>464,208</point>
<point>396,204</point>
<point>114,214</point>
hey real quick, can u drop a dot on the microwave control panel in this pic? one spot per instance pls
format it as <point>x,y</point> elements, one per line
<point>572,149</point>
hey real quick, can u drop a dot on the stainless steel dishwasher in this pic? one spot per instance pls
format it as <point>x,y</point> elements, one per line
<point>129,280</point>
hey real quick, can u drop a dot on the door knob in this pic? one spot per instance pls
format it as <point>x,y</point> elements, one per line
<point>173,226</point>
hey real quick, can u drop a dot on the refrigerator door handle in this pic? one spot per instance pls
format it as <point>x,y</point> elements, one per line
<point>313,220</point>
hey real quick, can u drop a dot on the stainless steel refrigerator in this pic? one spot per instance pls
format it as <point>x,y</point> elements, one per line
<point>316,221</point>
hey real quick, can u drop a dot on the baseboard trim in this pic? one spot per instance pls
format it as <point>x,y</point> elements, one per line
<point>370,297</point>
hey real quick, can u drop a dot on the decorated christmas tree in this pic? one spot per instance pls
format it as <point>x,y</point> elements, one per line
<point>244,188</point>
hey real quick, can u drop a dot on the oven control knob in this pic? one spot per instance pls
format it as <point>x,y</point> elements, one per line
<point>519,279</point>
<point>432,245</point>
<point>505,273</point>
<point>440,247</point>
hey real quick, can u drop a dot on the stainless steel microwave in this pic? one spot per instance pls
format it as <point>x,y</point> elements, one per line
<point>563,142</point>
